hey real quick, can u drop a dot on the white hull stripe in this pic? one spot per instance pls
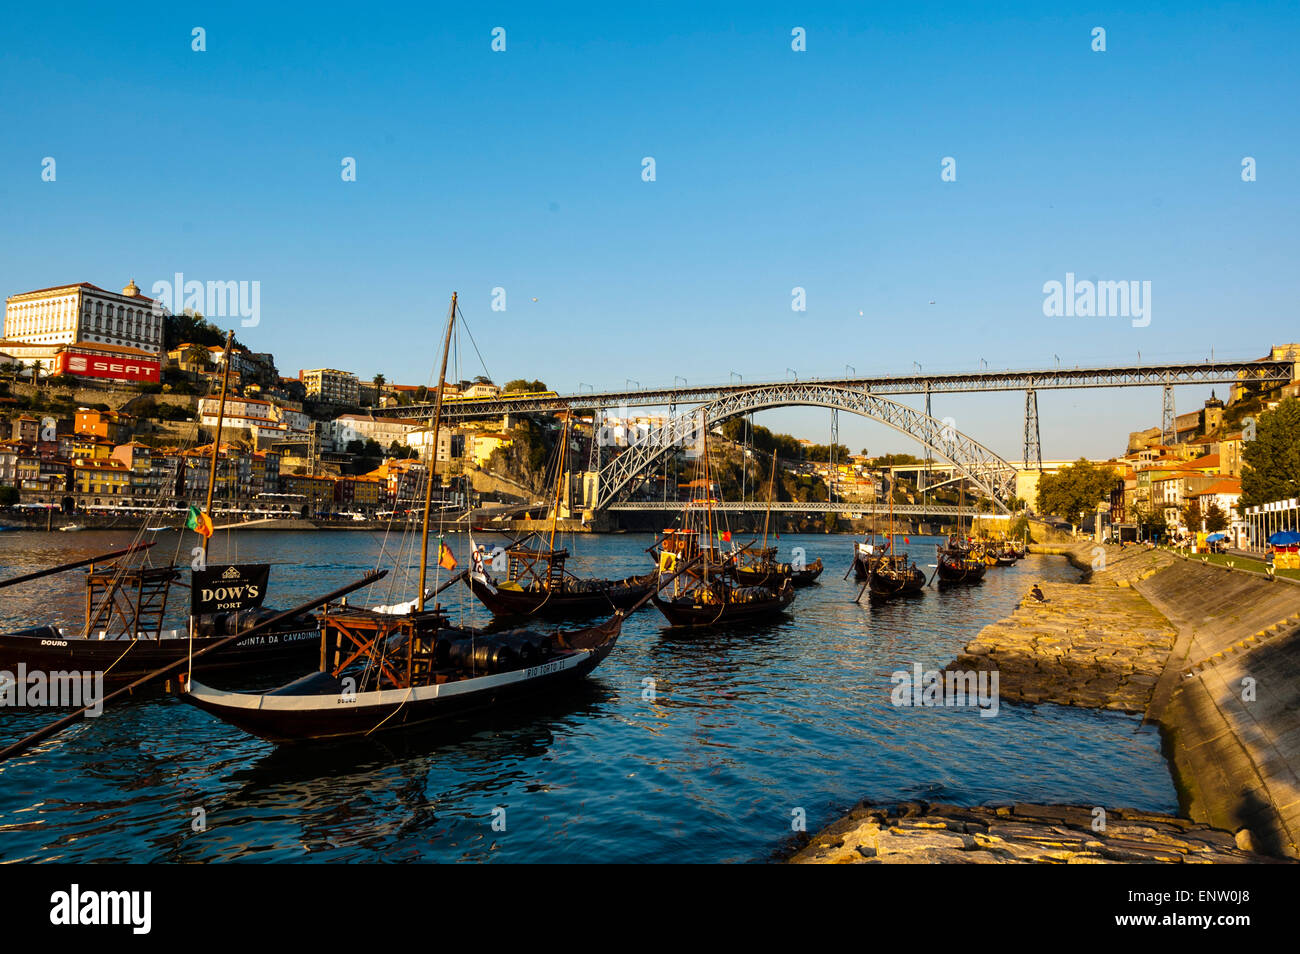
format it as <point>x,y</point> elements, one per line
<point>385,697</point>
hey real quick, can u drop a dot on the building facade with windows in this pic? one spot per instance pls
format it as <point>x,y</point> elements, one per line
<point>85,314</point>
<point>330,386</point>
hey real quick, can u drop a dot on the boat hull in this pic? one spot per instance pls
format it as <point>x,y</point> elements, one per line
<point>808,575</point>
<point>283,716</point>
<point>123,660</point>
<point>690,614</point>
<point>886,586</point>
<point>960,571</point>
<point>503,602</point>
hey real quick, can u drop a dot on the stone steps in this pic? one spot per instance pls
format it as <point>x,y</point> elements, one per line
<point>1280,628</point>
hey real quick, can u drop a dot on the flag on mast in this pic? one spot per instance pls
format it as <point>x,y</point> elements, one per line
<point>199,522</point>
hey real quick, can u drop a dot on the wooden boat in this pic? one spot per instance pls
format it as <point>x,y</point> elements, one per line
<point>894,575</point>
<point>961,561</point>
<point>721,602</point>
<point>418,670</point>
<point>958,563</point>
<point>704,591</point>
<point>889,573</point>
<point>537,582</point>
<point>389,668</point>
<point>760,567</point>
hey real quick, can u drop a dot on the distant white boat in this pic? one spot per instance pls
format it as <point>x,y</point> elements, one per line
<point>70,527</point>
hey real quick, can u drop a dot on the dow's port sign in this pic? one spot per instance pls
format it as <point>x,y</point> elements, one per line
<point>227,588</point>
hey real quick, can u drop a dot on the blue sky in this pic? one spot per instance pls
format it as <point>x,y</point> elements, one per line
<point>774,169</point>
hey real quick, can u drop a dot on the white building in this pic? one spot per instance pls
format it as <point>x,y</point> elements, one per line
<point>264,418</point>
<point>347,428</point>
<point>84,313</point>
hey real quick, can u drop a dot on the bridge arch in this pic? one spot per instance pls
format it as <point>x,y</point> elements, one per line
<point>985,469</point>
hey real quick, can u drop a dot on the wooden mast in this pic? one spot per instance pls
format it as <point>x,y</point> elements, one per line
<point>216,441</point>
<point>433,454</point>
<point>708,493</point>
<point>559,480</point>
<point>771,485</point>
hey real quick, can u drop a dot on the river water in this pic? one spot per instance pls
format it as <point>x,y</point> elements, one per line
<point>697,748</point>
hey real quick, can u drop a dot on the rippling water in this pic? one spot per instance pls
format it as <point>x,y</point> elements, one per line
<point>746,727</point>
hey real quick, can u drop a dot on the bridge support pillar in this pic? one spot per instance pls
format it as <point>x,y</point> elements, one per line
<point>1168,423</point>
<point>1033,446</point>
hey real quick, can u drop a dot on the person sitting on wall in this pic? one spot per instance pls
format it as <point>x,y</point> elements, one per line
<point>1037,593</point>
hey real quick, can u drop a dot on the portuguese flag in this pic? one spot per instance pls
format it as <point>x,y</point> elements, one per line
<point>199,522</point>
<point>724,536</point>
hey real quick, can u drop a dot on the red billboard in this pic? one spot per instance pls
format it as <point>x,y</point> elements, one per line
<point>89,364</point>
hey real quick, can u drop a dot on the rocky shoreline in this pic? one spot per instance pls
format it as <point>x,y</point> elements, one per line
<point>1085,646</point>
<point>921,833</point>
<point>1145,632</point>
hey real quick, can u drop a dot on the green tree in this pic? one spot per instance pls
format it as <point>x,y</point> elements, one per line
<point>1271,461</point>
<point>523,384</point>
<point>378,380</point>
<point>1150,519</point>
<point>1074,489</point>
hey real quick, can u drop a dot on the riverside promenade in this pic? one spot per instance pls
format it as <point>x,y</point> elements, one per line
<point>1208,653</point>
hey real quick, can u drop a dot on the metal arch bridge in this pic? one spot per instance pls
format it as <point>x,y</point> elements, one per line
<point>1261,372</point>
<point>986,470</point>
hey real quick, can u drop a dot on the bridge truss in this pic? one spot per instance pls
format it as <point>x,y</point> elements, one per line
<point>987,471</point>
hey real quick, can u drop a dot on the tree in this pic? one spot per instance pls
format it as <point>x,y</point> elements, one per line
<point>1074,489</point>
<point>523,384</point>
<point>1271,461</point>
<point>378,380</point>
<point>1213,516</point>
<point>1150,519</point>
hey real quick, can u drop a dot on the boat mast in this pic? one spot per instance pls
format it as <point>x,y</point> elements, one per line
<point>216,441</point>
<point>892,535</point>
<point>433,454</point>
<point>708,493</point>
<point>771,484</point>
<point>559,479</point>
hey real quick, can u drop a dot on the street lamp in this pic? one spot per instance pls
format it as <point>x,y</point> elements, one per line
<point>735,374</point>
<point>917,365</point>
<point>794,372</point>
<point>675,377</point>
<point>849,370</point>
<point>632,381</point>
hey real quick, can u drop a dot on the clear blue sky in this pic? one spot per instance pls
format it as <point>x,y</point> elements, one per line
<point>775,169</point>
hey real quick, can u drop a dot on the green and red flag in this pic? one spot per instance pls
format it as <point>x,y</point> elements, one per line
<point>199,522</point>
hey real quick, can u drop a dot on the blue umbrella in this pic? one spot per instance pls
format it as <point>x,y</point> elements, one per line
<point>1285,538</point>
<point>1216,536</point>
